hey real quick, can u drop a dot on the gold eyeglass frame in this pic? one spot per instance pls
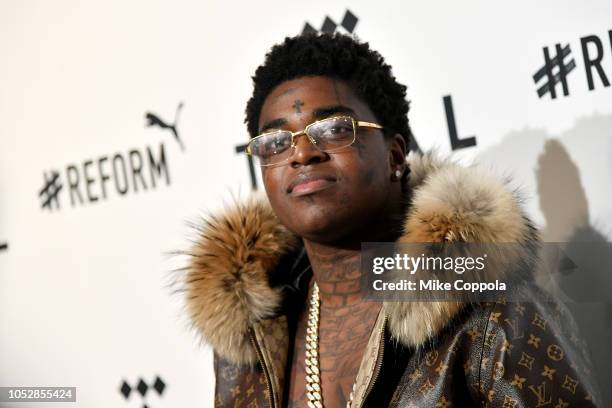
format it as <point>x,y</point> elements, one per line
<point>356,124</point>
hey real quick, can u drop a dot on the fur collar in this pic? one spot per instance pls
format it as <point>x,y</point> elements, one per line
<point>227,280</point>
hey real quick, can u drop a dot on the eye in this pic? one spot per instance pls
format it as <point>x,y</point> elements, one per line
<point>278,142</point>
<point>271,144</point>
<point>337,130</point>
<point>340,129</point>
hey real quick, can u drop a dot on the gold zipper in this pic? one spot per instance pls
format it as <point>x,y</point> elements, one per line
<point>264,367</point>
<point>379,360</point>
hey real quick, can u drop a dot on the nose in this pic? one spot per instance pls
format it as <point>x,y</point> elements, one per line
<point>305,153</point>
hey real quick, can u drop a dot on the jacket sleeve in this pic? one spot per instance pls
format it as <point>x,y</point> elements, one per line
<point>238,385</point>
<point>532,356</point>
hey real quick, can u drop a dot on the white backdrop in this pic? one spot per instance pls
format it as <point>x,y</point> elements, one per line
<point>83,300</point>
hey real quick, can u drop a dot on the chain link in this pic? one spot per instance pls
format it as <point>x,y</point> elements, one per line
<point>313,379</point>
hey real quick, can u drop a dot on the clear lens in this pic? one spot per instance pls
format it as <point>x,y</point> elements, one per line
<point>271,147</point>
<point>333,133</point>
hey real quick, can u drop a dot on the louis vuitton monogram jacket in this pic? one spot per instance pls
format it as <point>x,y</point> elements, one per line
<point>248,277</point>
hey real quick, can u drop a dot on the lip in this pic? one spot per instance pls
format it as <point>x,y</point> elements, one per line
<point>308,183</point>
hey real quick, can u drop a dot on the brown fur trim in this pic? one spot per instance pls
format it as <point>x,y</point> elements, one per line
<point>227,280</point>
<point>226,285</point>
<point>451,203</point>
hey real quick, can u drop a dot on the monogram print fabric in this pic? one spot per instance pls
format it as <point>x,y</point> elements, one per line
<point>239,386</point>
<point>506,355</point>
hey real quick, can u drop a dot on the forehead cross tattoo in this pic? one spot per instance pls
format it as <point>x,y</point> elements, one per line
<point>297,104</point>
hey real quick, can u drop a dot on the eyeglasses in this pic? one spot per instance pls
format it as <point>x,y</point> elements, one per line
<point>327,135</point>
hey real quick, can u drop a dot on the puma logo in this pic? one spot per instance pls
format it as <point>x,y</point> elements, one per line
<point>154,120</point>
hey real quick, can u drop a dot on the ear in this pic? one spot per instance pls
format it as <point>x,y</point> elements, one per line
<point>397,153</point>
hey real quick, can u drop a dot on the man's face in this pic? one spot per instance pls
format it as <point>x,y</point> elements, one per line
<point>325,196</point>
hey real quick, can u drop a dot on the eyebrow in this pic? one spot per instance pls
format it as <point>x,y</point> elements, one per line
<point>276,123</point>
<point>318,113</point>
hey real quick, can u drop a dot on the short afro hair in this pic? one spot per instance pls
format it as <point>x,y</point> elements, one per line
<point>336,56</point>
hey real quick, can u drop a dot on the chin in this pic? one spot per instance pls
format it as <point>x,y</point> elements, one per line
<point>319,218</point>
<point>319,228</point>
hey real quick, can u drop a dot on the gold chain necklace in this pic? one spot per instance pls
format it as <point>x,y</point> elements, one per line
<point>313,379</point>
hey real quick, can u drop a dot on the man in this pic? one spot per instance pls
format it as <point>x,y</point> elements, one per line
<point>274,284</point>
